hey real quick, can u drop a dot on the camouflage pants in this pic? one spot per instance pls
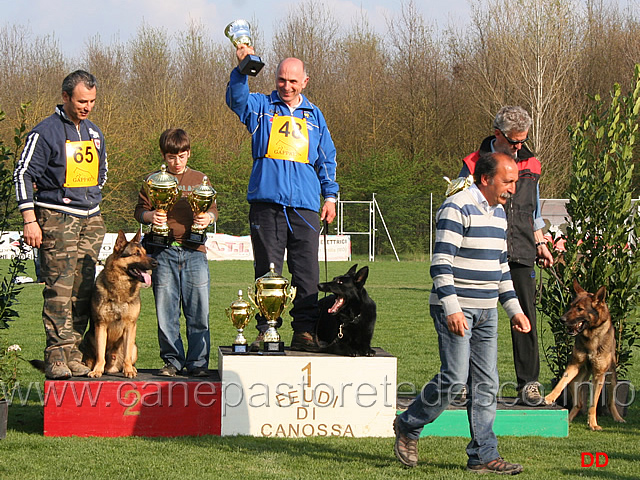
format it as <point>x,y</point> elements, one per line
<point>68,256</point>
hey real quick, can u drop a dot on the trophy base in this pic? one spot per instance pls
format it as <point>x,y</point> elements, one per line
<point>199,238</point>
<point>157,240</point>
<point>276,348</point>
<point>251,65</point>
<point>237,348</point>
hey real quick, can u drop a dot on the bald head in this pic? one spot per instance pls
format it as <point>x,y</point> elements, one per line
<point>291,79</point>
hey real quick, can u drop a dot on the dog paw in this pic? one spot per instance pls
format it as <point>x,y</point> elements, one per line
<point>95,374</point>
<point>595,428</point>
<point>130,373</point>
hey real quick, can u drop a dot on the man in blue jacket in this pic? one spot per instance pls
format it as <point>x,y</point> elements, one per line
<point>294,162</point>
<point>59,181</point>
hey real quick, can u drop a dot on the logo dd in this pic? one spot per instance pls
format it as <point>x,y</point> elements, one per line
<point>600,459</point>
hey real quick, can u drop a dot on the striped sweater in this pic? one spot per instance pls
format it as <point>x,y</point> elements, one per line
<point>469,266</point>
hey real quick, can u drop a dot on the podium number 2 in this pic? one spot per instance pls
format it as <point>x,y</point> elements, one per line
<point>136,400</point>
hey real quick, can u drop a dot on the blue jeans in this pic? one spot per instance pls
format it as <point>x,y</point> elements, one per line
<point>471,360</point>
<point>181,280</point>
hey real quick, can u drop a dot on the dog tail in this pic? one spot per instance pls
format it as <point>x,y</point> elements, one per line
<point>38,364</point>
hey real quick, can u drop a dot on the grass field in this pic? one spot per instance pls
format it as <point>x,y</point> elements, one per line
<point>404,329</point>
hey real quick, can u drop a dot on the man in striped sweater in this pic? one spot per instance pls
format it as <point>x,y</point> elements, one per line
<point>470,275</point>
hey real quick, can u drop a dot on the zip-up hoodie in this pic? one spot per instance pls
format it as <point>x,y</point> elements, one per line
<point>288,183</point>
<point>44,163</point>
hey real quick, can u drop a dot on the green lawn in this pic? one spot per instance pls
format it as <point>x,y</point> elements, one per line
<point>404,329</point>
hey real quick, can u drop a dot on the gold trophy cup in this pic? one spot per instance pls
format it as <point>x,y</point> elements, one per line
<point>162,189</point>
<point>239,32</point>
<point>457,185</point>
<point>239,312</point>
<point>271,294</point>
<point>201,199</point>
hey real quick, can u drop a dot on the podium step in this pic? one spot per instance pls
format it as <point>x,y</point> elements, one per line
<point>511,420</point>
<point>148,405</point>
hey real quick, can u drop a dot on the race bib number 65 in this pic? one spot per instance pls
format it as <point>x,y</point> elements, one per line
<point>82,164</point>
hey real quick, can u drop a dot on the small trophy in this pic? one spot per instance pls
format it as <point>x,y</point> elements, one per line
<point>162,189</point>
<point>239,312</point>
<point>271,297</point>
<point>239,32</point>
<point>457,185</point>
<point>200,199</point>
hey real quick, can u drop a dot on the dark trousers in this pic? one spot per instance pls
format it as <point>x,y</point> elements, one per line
<point>526,357</point>
<point>275,228</point>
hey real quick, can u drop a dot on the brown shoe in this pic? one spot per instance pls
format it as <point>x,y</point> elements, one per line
<point>78,369</point>
<point>530,395</point>
<point>405,448</point>
<point>498,466</point>
<point>57,371</point>
<point>306,342</point>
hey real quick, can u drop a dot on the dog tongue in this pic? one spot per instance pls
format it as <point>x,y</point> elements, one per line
<point>337,305</point>
<point>147,278</point>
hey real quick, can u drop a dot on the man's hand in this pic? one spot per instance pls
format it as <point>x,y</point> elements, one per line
<point>159,217</point>
<point>32,234</point>
<point>545,259</point>
<point>520,323</point>
<point>242,50</point>
<point>457,323</point>
<point>328,212</point>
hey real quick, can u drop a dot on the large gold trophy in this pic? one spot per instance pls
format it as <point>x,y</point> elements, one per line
<point>201,199</point>
<point>162,189</point>
<point>271,294</point>
<point>239,312</point>
<point>239,32</point>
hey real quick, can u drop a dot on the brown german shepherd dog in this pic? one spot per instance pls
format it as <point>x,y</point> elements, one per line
<point>110,343</point>
<point>594,353</point>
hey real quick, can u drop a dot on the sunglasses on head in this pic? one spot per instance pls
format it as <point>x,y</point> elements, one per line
<point>514,142</point>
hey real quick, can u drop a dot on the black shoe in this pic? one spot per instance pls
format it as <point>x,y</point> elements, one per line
<point>257,343</point>
<point>306,342</point>
<point>168,371</point>
<point>199,372</point>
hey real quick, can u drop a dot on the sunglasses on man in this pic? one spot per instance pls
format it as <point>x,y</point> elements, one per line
<point>514,142</point>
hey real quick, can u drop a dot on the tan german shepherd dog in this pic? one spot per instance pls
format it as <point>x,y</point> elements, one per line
<point>594,353</point>
<point>110,343</point>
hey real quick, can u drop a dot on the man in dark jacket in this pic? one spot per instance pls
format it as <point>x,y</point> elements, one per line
<point>58,182</point>
<point>525,241</point>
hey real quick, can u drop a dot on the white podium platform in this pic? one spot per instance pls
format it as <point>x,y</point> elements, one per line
<point>301,394</point>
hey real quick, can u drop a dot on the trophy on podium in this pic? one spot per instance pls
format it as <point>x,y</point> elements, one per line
<point>239,312</point>
<point>239,32</point>
<point>271,294</point>
<point>163,192</point>
<point>200,200</point>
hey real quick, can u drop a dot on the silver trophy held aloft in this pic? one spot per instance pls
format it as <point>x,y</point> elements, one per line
<point>239,32</point>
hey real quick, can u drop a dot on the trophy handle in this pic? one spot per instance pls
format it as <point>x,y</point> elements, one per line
<point>290,296</point>
<point>251,296</point>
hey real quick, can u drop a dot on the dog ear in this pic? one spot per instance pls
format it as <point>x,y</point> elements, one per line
<point>577,288</point>
<point>600,295</point>
<point>121,242</point>
<point>136,238</point>
<point>352,270</point>
<point>361,277</point>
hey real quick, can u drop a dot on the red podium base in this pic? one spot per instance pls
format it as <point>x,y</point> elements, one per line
<point>146,406</point>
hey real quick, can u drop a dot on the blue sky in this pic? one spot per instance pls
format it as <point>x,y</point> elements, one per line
<point>72,22</point>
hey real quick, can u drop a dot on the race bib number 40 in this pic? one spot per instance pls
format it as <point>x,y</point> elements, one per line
<point>82,164</point>
<point>289,139</point>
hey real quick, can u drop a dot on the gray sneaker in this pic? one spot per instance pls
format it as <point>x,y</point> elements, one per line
<point>168,371</point>
<point>530,395</point>
<point>78,369</point>
<point>57,371</point>
<point>405,448</point>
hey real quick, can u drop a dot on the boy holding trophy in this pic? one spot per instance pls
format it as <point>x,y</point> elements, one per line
<point>182,275</point>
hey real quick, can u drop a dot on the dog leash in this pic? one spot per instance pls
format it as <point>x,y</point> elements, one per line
<point>552,270</point>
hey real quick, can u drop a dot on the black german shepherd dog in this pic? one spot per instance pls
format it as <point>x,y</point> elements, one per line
<point>348,316</point>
